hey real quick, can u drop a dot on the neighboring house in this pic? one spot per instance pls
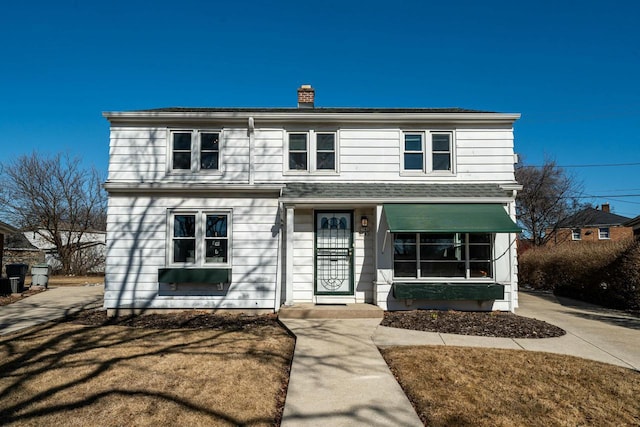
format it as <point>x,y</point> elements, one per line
<point>591,225</point>
<point>18,249</point>
<point>635,225</point>
<point>5,229</point>
<point>252,208</point>
<point>92,248</point>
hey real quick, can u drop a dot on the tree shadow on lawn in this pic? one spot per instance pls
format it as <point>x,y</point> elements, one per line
<point>115,375</point>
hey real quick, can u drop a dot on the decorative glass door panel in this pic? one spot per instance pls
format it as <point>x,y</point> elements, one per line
<point>334,253</point>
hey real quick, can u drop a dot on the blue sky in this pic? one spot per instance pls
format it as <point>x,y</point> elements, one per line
<point>571,68</point>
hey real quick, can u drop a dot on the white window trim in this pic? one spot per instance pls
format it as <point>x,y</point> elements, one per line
<point>600,233</point>
<point>467,277</point>
<point>195,152</point>
<point>427,154</point>
<point>312,152</point>
<point>573,236</point>
<point>201,215</point>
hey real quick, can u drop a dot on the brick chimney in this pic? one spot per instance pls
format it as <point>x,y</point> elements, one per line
<point>306,96</point>
<point>606,208</point>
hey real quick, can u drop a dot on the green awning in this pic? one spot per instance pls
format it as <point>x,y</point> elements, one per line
<point>449,218</point>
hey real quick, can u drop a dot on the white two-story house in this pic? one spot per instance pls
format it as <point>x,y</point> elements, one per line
<point>255,208</point>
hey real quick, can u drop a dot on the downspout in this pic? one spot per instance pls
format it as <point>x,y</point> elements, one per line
<point>279,224</point>
<point>251,133</point>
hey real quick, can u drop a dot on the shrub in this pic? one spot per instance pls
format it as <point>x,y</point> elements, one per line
<point>607,273</point>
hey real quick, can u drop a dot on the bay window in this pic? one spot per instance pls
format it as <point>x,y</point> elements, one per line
<point>443,255</point>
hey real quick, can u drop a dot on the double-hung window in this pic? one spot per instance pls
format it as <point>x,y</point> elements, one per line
<point>443,255</point>
<point>311,151</point>
<point>427,152</point>
<point>199,238</point>
<point>603,233</point>
<point>441,152</point>
<point>576,234</point>
<point>414,152</point>
<point>195,151</point>
<point>326,151</point>
<point>298,151</point>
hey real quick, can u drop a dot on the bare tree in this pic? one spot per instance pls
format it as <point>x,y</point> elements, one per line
<point>56,198</point>
<point>549,195</point>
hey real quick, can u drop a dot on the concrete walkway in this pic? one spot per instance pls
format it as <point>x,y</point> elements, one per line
<point>338,378</point>
<point>54,303</point>
<point>593,332</point>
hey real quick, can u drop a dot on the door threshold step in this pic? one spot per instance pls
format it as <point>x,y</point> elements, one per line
<point>330,311</point>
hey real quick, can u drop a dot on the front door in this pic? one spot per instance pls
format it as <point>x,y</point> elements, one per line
<point>334,253</point>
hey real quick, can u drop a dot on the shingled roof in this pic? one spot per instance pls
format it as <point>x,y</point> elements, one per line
<point>388,191</point>
<point>591,217</point>
<point>294,110</point>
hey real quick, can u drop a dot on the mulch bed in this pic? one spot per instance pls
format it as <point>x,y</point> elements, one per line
<point>486,324</point>
<point>192,319</point>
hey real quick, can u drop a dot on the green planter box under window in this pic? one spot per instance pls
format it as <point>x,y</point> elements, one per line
<point>449,291</point>
<point>194,275</point>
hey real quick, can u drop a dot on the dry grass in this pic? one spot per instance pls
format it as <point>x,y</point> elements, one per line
<point>491,387</point>
<point>75,375</point>
<point>74,280</point>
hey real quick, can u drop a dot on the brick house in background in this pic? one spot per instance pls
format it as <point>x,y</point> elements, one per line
<point>634,224</point>
<point>591,225</point>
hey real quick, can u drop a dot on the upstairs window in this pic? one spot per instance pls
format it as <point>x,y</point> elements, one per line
<point>311,151</point>
<point>326,151</point>
<point>427,152</point>
<point>441,151</point>
<point>298,151</point>
<point>181,150</point>
<point>199,238</point>
<point>209,150</point>
<point>413,152</point>
<point>195,151</point>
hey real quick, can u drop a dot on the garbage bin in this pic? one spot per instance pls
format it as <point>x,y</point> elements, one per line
<point>20,271</point>
<point>15,285</point>
<point>40,275</point>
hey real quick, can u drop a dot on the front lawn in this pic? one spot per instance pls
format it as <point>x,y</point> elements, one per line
<point>113,375</point>
<point>456,386</point>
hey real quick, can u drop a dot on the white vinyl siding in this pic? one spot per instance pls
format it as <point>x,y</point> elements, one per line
<point>137,230</point>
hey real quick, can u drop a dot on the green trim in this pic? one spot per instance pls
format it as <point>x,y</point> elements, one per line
<point>448,291</point>
<point>449,218</point>
<point>194,275</point>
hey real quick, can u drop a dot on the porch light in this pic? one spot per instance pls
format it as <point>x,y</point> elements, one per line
<point>364,225</point>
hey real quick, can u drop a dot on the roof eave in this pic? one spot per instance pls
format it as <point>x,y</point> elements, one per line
<point>135,117</point>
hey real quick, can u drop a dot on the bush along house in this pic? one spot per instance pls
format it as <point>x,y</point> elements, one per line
<point>255,208</point>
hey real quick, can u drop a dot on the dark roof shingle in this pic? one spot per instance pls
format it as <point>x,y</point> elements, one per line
<point>388,191</point>
<point>592,217</point>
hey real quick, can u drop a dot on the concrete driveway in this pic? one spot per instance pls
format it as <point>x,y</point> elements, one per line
<point>593,332</point>
<point>54,303</point>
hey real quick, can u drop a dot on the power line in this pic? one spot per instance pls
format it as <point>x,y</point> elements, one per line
<point>600,165</point>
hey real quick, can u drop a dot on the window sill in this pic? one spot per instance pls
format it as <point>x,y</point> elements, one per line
<point>194,173</point>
